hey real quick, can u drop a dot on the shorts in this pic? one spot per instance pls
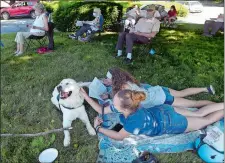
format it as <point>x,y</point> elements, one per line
<point>172,122</point>
<point>169,98</point>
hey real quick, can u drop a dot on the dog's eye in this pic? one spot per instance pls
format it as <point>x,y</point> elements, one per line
<point>67,83</point>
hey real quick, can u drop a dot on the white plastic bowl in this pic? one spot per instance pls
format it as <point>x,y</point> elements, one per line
<point>48,155</point>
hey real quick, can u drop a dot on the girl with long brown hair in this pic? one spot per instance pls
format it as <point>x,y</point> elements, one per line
<point>155,95</point>
<point>155,121</point>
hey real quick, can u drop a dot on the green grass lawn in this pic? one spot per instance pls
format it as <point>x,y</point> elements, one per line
<point>183,59</point>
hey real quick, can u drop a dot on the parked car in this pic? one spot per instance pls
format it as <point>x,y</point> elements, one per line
<point>192,6</point>
<point>19,9</point>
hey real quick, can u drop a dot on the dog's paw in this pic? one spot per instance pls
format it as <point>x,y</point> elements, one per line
<point>91,131</point>
<point>66,142</point>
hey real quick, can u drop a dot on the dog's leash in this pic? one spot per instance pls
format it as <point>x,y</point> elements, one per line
<point>36,134</point>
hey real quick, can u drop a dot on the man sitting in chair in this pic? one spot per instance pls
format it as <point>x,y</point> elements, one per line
<point>214,24</point>
<point>143,32</point>
<point>38,28</point>
<point>88,27</point>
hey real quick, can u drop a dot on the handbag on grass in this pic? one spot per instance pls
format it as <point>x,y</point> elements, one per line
<point>43,50</point>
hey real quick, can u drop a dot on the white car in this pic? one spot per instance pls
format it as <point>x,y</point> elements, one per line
<point>192,6</point>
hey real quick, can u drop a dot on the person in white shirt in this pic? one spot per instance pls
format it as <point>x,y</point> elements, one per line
<point>214,24</point>
<point>39,27</point>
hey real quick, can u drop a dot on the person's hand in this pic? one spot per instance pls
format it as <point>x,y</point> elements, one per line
<point>107,82</point>
<point>83,92</point>
<point>137,33</point>
<point>34,27</point>
<point>104,96</point>
<point>97,121</point>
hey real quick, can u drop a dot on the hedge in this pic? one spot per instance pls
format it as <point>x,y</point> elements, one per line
<point>67,12</point>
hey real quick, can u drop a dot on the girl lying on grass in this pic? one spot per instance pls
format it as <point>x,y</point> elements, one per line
<point>155,121</point>
<point>155,95</point>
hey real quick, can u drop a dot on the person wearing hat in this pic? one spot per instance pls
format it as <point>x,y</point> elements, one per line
<point>38,28</point>
<point>144,13</point>
<point>143,32</point>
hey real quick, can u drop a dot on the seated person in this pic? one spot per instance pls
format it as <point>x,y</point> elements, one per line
<point>39,27</point>
<point>162,13</point>
<point>155,121</point>
<point>88,27</point>
<point>144,13</point>
<point>172,15</point>
<point>214,25</point>
<point>132,16</point>
<point>144,30</point>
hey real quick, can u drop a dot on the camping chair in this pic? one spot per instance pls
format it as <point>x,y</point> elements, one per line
<point>143,48</point>
<point>100,28</point>
<point>173,23</point>
<point>35,41</point>
<point>41,40</point>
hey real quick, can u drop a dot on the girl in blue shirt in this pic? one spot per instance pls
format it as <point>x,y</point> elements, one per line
<point>155,95</point>
<point>162,119</point>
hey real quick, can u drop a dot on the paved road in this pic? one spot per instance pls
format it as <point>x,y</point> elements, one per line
<point>199,18</point>
<point>15,25</point>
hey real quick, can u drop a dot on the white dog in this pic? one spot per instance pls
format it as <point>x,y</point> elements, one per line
<point>66,97</point>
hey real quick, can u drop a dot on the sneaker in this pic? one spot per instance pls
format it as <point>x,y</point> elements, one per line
<point>211,90</point>
<point>18,54</point>
<point>127,61</point>
<point>73,36</point>
<point>207,35</point>
<point>116,56</point>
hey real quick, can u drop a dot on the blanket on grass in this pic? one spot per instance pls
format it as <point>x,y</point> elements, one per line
<point>127,150</point>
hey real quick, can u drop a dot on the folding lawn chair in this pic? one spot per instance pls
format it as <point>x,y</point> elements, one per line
<point>144,48</point>
<point>41,40</point>
<point>36,41</point>
<point>100,28</point>
<point>173,24</point>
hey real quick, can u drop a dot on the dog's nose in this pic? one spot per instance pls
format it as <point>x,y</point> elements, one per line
<point>59,88</point>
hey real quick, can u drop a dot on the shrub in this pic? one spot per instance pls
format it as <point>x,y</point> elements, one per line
<point>51,6</point>
<point>67,12</point>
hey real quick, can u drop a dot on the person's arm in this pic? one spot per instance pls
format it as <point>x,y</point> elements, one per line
<point>45,28</point>
<point>110,133</point>
<point>94,105</point>
<point>113,134</point>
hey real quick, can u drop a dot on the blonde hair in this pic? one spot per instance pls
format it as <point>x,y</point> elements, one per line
<point>130,99</point>
<point>39,6</point>
<point>97,10</point>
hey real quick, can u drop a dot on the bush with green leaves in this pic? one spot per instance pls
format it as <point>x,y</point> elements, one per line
<point>68,12</point>
<point>51,6</point>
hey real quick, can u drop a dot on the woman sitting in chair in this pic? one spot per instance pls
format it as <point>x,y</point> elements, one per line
<point>88,27</point>
<point>172,15</point>
<point>40,25</point>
